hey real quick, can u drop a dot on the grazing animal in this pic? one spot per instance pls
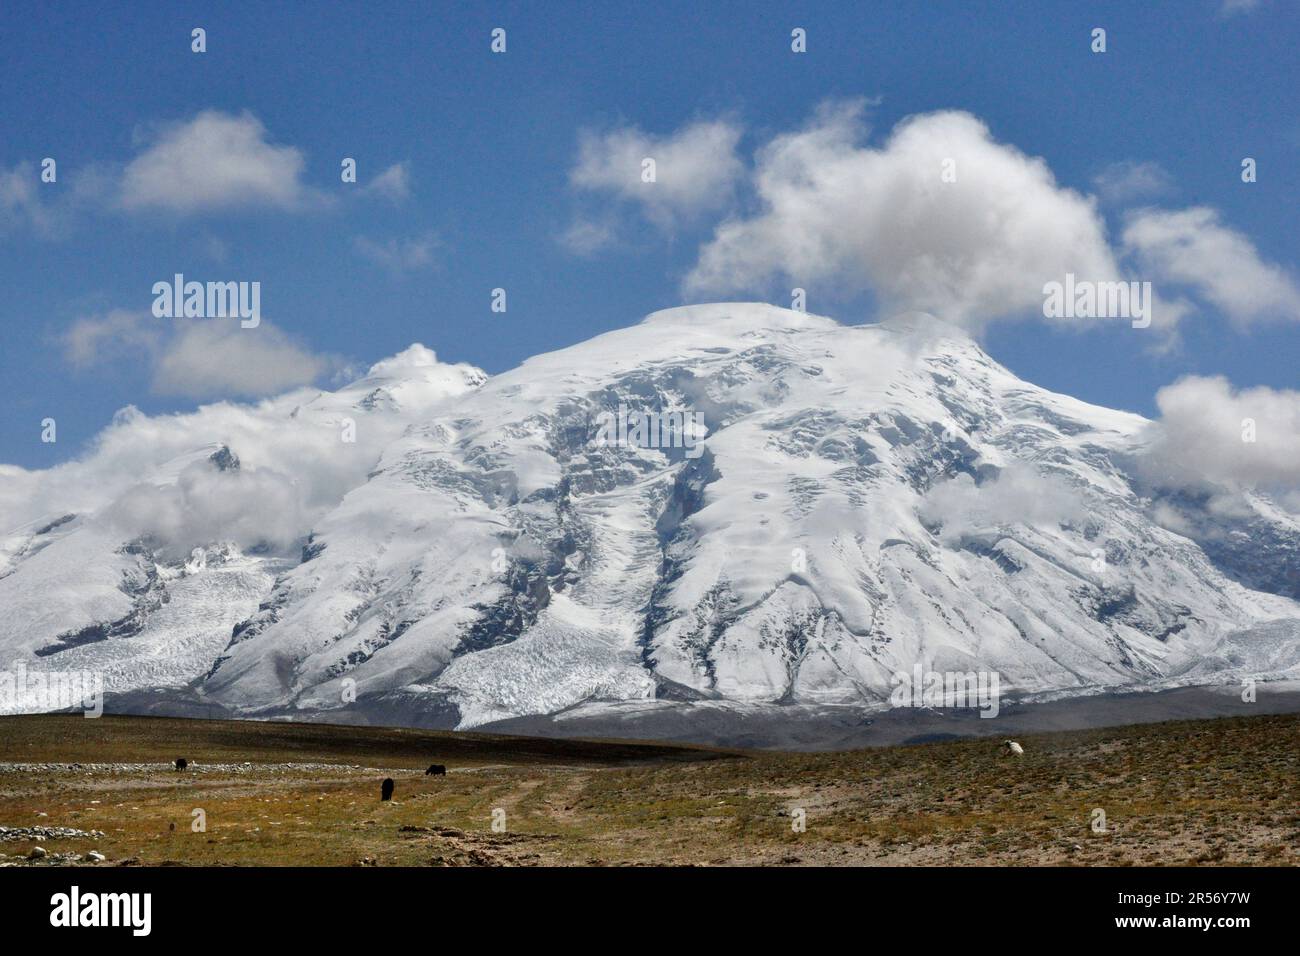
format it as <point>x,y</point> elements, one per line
<point>181,763</point>
<point>1015,748</point>
<point>386,789</point>
<point>436,769</point>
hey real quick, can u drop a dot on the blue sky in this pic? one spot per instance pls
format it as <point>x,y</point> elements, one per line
<point>481,149</point>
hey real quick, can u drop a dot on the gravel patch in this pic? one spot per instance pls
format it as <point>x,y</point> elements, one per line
<point>134,769</point>
<point>48,833</point>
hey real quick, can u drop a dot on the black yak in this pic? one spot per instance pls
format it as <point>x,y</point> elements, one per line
<point>181,763</point>
<point>386,790</point>
<point>436,770</point>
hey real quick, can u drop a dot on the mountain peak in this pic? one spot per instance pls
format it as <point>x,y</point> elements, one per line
<point>224,459</point>
<point>415,379</point>
<point>925,325</point>
<point>738,316</point>
<point>416,355</point>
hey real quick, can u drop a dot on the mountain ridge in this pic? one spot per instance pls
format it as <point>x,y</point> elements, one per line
<point>868,498</point>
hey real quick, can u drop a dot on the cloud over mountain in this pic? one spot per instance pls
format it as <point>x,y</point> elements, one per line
<point>1212,433</point>
<point>196,358</point>
<point>293,441</point>
<point>835,212</point>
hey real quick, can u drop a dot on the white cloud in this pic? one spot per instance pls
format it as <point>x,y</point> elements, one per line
<point>214,160</point>
<point>95,340</point>
<point>696,168</point>
<point>290,473</point>
<point>840,214</point>
<point>150,474</point>
<point>114,477</point>
<point>942,218</point>
<point>394,183</point>
<point>248,507</point>
<point>196,358</point>
<point>1192,248</point>
<point>1129,180</point>
<point>216,359</point>
<point>398,255</point>
<point>1019,494</point>
<point>1198,440</point>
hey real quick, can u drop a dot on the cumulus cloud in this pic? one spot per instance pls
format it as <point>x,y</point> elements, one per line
<point>834,211</point>
<point>400,254</point>
<point>98,339</point>
<point>214,160</point>
<point>696,168</point>
<point>942,218</point>
<point>196,358</point>
<point>215,359</point>
<point>1193,248</point>
<point>1018,494</point>
<point>1129,180</point>
<point>1202,439</point>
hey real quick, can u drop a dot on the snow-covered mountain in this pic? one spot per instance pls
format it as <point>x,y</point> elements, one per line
<point>867,498</point>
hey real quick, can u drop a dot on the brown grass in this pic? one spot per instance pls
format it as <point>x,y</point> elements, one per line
<point>1207,792</point>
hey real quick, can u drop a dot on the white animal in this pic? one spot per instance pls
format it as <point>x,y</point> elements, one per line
<point>1015,748</point>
